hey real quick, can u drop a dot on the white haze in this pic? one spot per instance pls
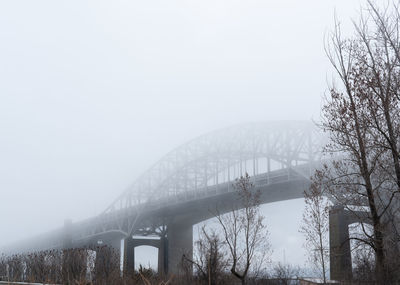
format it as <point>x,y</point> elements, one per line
<point>94,92</point>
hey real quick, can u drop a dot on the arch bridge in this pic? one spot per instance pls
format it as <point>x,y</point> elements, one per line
<point>190,182</point>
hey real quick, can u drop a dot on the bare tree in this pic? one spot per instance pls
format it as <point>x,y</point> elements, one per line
<point>243,230</point>
<point>209,262</point>
<point>362,117</point>
<point>315,227</point>
<point>382,58</point>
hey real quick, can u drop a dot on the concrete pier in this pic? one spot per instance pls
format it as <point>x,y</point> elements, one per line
<point>339,243</point>
<point>163,256</point>
<point>129,253</point>
<point>129,257</point>
<point>180,242</point>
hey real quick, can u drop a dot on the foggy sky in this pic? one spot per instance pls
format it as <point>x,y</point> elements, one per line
<point>92,93</point>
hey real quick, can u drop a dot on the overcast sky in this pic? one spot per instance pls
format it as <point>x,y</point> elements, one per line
<point>92,93</point>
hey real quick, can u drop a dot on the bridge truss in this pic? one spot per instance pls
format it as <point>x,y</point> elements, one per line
<point>222,156</point>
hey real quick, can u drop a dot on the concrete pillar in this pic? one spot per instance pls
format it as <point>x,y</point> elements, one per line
<point>163,256</point>
<point>129,256</point>
<point>339,244</point>
<point>180,242</point>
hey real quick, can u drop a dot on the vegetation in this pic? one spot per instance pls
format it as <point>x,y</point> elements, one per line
<point>244,232</point>
<point>361,116</point>
<point>241,243</point>
<point>315,228</point>
<point>68,267</point>
<point>210,264</point>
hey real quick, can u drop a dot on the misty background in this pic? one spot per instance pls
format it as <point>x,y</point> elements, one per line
<point>92,93</point>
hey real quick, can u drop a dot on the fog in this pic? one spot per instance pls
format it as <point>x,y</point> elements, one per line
<point>92,93</point>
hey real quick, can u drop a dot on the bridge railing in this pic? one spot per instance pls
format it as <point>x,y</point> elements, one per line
<point>260,180</point>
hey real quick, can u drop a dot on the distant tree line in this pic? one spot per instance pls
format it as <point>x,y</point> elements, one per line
<point>70,266</point>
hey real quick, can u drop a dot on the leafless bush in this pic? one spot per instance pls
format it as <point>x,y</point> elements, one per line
<point>3,268</point>
<point>210,264</point>
<point>364,263</point>
<point>106,267</point>
<point>149,277</point>
<point>74,265</point>
<point>284,273</point>
<point>43,266</point>
<point>16,268</point>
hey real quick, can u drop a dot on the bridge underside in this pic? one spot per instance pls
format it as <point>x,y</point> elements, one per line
<point>179,243</point>
<point>178,220</point>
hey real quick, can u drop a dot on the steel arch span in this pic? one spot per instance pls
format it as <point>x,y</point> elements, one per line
<point>223,155</point>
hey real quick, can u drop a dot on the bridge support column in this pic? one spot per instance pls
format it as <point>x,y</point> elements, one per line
<point>129,257</point>
<point>339,244</point>
<point>163,256</point>
<point>180,242</point>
